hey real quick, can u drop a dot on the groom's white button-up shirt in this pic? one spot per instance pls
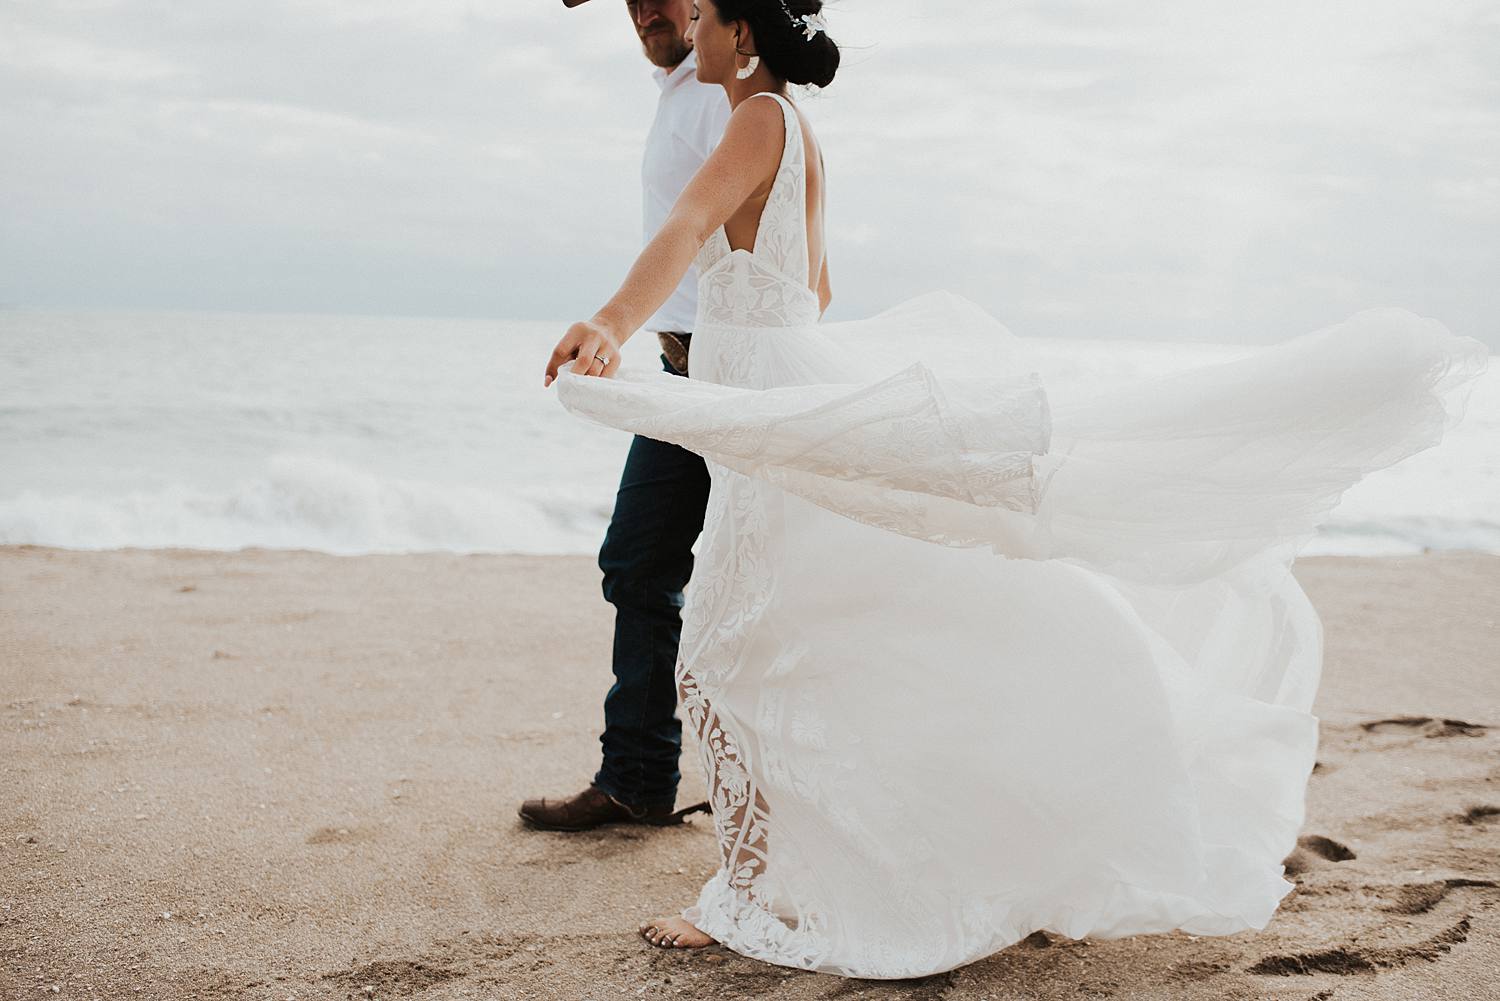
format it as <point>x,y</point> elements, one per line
<point>690,120</point>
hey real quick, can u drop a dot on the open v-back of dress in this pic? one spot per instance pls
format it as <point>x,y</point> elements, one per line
<point>968,656</point>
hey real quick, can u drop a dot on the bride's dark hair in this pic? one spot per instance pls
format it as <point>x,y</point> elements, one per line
<point>783,43</point>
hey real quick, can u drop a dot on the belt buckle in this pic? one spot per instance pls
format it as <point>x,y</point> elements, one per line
<point>676,349</point>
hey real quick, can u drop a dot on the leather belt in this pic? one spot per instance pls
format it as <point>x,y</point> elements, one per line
<point>674,344</point>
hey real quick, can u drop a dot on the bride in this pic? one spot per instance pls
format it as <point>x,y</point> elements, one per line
<point>968,656</point>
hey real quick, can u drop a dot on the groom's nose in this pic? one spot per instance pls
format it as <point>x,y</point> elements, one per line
<point>647,13</point>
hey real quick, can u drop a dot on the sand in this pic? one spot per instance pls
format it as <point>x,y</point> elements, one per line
<point>274,775</point>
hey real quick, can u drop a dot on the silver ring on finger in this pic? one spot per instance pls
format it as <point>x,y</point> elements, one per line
<point>602,359</point>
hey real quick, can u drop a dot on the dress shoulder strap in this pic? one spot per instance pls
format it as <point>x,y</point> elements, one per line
<point>781,237</point>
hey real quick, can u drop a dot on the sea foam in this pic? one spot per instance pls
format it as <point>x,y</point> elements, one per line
<point>378,435</point>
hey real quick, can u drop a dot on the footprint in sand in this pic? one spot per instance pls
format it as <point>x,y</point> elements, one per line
<point>1352,958</point>
<point>336,835</point>
<point>1427,726</point>
<point>1314,850</point>
<point>402,977</point>
<point>1419,898</point>
<point>1476,815</point>
<point>1197,969</point>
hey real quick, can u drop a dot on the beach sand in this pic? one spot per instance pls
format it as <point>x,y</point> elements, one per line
<point>274,775</point>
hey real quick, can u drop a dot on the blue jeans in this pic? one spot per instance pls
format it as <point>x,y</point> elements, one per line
<point>647,559</point>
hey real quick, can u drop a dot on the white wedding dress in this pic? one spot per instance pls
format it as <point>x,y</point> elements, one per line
<point>968,656</point>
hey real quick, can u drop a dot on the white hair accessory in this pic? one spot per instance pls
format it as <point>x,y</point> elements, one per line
<point>808,24</point>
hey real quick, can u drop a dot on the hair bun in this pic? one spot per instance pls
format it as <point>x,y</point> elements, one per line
<point>793,46</point>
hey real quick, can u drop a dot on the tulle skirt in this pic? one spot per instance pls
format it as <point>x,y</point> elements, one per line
<point>969,654</point>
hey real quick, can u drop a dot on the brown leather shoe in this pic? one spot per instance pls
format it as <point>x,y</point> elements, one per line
<point>594,807</point>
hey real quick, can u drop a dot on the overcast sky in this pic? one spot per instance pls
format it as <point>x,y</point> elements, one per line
<point>1176,169</point>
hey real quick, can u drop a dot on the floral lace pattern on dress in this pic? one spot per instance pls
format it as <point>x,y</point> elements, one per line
<point>751,288</point>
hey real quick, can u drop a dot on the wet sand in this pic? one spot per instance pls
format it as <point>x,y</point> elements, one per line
<point>272,775</point>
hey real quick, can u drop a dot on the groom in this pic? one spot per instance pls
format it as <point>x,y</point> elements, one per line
<point>647,553</point>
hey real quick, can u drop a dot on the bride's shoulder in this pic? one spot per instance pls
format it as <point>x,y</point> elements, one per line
<point>763,115</point>
<point>755,130</point>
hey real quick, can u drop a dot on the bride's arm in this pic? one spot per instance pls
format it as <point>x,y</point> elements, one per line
<point>745,159</point>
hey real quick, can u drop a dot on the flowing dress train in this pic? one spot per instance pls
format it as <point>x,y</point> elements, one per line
<point>968,655</point>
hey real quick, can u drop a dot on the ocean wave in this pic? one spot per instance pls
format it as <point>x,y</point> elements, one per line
<point>1396,535</point>
<point>303,501</point>
<point>311,502</point>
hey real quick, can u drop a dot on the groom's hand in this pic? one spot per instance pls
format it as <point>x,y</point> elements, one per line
<point>583,345</point>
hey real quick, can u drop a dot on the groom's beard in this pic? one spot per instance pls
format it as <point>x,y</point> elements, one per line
<point>665,47</point>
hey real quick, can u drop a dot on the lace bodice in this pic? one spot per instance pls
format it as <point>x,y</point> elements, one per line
<point>766,286</point>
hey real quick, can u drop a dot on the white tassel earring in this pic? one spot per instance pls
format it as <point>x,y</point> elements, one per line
<point>746,71</point>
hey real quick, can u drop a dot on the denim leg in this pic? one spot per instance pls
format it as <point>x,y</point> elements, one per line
<point>647,559</point>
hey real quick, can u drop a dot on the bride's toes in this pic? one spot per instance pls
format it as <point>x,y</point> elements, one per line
<point>674,933</point>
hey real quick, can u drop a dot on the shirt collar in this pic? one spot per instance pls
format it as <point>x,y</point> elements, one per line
<point>667,80</point>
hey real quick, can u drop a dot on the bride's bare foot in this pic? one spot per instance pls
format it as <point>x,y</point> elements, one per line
<point>674,933</point>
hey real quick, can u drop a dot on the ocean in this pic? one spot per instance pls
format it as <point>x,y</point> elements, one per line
<point>349,434</point>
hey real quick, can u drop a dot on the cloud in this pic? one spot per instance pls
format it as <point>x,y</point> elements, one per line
<point>1159,169</point>
<point>70,60</point>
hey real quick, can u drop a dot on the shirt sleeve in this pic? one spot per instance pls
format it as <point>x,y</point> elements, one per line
<point>713,116</point>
